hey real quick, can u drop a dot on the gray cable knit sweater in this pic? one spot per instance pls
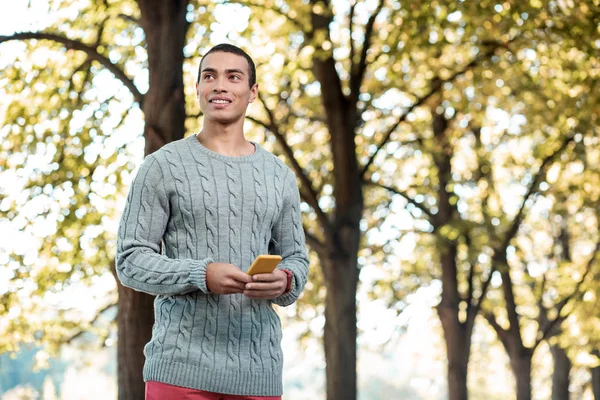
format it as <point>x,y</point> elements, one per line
<point>206,207</point>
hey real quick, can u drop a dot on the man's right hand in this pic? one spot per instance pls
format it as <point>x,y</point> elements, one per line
<point>223,278</point>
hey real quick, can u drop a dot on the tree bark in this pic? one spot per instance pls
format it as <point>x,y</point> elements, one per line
<point>521,368</point>
<point>457,352</point>
<point>560,375</point>
<point>596,378</point>
<point>165,27</point>
<point>457,335</point>
<point>134,319</point>
<point>520,356</point>
<point>340,327</point>
<point>340,264</point>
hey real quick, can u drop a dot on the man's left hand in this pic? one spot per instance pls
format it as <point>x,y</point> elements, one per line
<point>267,286</point>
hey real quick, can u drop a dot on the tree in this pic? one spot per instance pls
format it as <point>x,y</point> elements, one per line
<point>464,193</point>
<point>581,339</point>
<point>355,86</point>
<point>358,72</point>
<point>596,379</point>
<point>164,28</point>
<point>512,336</point>
<point>562,362</point>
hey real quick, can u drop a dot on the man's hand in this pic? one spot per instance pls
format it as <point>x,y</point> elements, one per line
<point>267,286</point>
<point>223,278</point>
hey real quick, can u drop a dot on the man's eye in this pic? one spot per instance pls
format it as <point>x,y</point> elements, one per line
<point>235,77</point>
<point>208,76</point>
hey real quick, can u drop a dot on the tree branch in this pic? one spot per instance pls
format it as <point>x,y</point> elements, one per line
<point>421,100</point>
<point>471,276</point>
<point>71,338</point>
<point>540,298</point>
<point>562,304</point>
<point>443,163</point>
<point>470,283</point>
<point>91,52</point>
<point>256,121</point>
<point>511,306</point>
<point>484,288</point>
<point>512,231</point>
<point>314,242</point>
<point>199,114</point>
<point>500,253</point>
<point>501,332</point>
<point>357,71</point>
<point>483,164</point>
<point>410,200</point>
<point>129,18</point>
<point>273,8</point>
<point>309,193</point>
<point>351,29</point>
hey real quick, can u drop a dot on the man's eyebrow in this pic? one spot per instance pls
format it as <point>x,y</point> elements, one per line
<point>227,71</point>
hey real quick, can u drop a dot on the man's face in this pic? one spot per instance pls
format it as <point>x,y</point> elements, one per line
<point>223,89</point>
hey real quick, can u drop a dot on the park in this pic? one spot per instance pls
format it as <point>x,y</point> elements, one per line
<point>447,157</point>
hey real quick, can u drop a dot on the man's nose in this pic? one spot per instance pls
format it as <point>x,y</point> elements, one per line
<point>219,85</point>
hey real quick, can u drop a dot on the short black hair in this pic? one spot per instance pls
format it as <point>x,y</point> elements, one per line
<point>229,48</point>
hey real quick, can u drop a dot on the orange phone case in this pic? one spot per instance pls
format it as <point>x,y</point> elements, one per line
<point>264,264</point>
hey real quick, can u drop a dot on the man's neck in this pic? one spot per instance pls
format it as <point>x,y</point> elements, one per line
<point>226,140</point>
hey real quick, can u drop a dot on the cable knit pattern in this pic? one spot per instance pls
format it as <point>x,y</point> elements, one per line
<point>255,316</point>
<point>235,218</point>
<point>205,207</point>
<point>182,186</point>
<point>210,213</point>
<point>278,181</point>
<point>259,204</point>
<point>210,203</point>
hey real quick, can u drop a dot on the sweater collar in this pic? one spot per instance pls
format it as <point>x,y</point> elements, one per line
<point>236,159</point>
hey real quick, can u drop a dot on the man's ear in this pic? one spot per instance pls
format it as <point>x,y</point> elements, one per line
<point>253,93</point>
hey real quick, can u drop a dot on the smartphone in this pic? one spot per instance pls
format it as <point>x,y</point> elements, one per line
<point>264,264</point>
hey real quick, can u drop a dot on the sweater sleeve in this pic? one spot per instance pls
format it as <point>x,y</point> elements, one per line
<point>289,237</point>
<point>140,265</point>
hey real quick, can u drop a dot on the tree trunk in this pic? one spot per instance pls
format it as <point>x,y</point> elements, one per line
<point>560,375</point>
<point>340,263</point>
<point>134,320</point>
<point>521,367</point>
<point>457,352</point>
<point>165,27</point>
<point>596,379</point>
<point>520,356</point>
<point>340,328</point>
<point>457,334</point>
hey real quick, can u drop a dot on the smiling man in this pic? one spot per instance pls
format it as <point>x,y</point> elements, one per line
<point>213,202</point>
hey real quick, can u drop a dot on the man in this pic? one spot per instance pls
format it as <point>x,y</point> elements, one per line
<point>215,201</point>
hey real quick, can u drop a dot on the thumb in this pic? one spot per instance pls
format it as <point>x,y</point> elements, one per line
<point>240,275</point>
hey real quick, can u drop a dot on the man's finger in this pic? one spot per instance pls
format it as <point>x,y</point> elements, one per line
<point>241,276</point>
<point>261,286</point>
<point>264,277</point>
<point>236,285</point>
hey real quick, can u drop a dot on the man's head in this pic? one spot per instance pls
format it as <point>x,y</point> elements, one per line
<point>226,85</point>
<point>229,48</point>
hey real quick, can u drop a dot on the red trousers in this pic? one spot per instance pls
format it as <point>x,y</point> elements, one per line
<point>163,391</point>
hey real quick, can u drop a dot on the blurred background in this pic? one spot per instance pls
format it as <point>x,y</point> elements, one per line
<point>447,154</point>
